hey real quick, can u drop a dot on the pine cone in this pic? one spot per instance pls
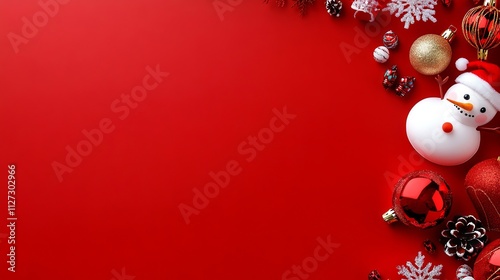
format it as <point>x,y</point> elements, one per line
<point>464,237</point>
<point>334,7</point>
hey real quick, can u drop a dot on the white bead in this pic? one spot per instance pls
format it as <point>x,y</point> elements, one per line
<point>381,54</point>
<point>464,272</point>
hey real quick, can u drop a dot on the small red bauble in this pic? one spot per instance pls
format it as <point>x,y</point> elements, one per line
<point>374,275</point>
<point>482,183</point>
<point>487,264</point>
<point>405,85</point>
<point>421,199</point>
<point>446,3</point>
<point>429,246</point>
<point>390,39</point>
<point>390,77</point>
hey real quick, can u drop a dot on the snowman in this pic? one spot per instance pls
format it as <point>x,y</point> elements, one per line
<point>445,130</point>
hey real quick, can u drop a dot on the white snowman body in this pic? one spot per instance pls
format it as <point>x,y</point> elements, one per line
<point>444,131</point>
<point>424,128</point>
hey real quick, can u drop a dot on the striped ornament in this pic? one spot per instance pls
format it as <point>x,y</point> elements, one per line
<point>381,54</point>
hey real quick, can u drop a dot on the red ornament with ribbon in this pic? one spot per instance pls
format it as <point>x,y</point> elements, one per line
<point>481,26</point>
<point>482,183</point>
<point>487,264</point>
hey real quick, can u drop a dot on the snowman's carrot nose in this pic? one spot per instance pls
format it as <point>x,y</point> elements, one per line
<point>465,106</point>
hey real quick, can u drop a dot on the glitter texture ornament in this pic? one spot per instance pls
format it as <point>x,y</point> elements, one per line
<point>487,263</point>
<point>482,184</point>
<point>421,199</point>
<point>481,28</point>
<point>412,10</point>
<point>419,271</point>
<point>334,7</point>
<point>390,39</point>
<point>431,54</point>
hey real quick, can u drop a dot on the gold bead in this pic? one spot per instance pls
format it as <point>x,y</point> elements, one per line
<point>430,54</point>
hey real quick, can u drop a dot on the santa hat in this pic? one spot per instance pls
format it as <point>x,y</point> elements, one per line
<point>483,78</point>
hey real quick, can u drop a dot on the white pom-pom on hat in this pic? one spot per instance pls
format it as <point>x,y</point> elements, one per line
<point>461,64</point>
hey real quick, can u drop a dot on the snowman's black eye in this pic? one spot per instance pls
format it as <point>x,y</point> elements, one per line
<point>466,97</point>
<point>482,110</point>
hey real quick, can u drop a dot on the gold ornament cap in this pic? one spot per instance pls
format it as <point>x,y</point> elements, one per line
<point>390,216</point>
<point>449,33</point>
<point>492,3</point>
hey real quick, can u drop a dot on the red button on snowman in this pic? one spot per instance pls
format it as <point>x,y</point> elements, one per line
<point>444,130</point>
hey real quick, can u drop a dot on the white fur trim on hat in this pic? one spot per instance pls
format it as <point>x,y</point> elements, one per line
<point>480,86</point>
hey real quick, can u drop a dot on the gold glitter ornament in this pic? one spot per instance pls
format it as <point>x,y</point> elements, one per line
<point>431,54</point>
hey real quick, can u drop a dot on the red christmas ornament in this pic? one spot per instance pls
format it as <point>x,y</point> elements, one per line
<point>390,39</point>
<point>446,3</point>
<point>482,183</point>
<point>481,26</point>
<point>390,77</point>
<point>429,246</point>
<point>374,275</point>
<point>421,199</point>
<point>487,264</point>
<point>405,85</point>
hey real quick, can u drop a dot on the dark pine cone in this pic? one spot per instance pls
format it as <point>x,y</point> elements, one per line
<point>334,7</point>
<point>464,237</point>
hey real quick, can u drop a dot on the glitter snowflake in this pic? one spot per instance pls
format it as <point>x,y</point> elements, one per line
<point>370,7</point>
<point>419,272</point>
<point>412,10</point>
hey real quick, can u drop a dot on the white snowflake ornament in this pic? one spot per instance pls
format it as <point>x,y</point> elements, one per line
<point>419,272</point>
<point>412,10</point>
<point>370,7</point>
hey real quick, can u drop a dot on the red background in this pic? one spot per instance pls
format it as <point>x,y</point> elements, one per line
<point>324,175</point>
